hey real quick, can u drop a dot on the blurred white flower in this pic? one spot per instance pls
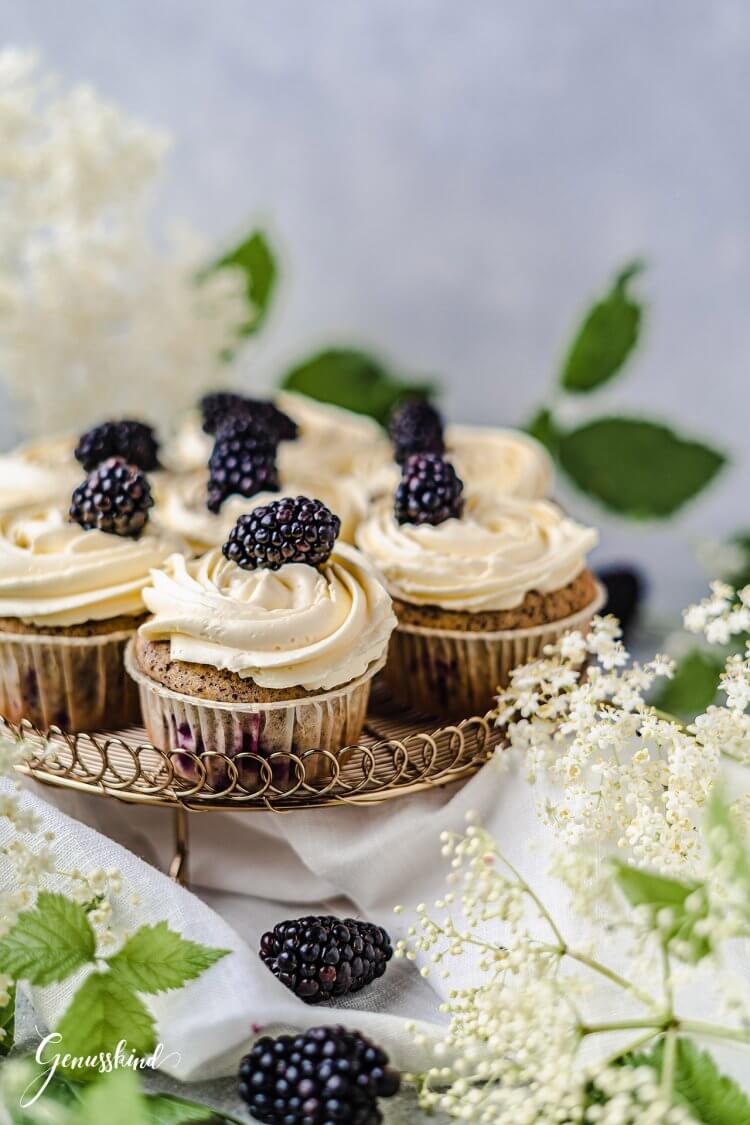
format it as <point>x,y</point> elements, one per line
<point>98,317</point>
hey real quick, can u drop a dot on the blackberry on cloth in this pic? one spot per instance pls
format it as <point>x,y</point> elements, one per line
<point>290,530</point>
<point>322,957</point>
<point>116,498</point>
<point>320,1077</point>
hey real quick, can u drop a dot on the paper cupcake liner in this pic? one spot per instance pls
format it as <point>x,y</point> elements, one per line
<point>74,683</point>
<point>253,746</point>
<point>448,672</point>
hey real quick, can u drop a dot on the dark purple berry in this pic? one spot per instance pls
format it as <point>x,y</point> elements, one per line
<point>625,589</point>
<point>135,442</point>
<point>429,490</point>
<point>219,406</point>
<point>415,427</point>
<point>243,462</point>
<point>322,1076</point>
<point>324,956</point>
<point>290,530</point>
<point>116,498</point>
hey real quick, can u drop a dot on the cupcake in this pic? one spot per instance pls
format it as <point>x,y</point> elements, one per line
<point>263,648</point>
<point>181,506</point>
<point>70,599</point>
<point>479,584</point>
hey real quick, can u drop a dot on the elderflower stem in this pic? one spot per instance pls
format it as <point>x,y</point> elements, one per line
<point>535,899</point>
<point>623,1025</point>
<point>715,1031</point>
<point>610,974</point>
<point>668,1067</point>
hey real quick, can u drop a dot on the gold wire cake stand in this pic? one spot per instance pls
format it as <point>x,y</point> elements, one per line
<point>400,753</point>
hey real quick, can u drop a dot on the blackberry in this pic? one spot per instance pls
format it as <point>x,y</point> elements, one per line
<point>219,406</point>
<point>134,441</point>
<point>415,427</point>
<point>116,498</point>
<point>625,590</point>
<point>321,957</point>
<point>243,461</point>
<point>429,490</point>
<point>322,1076</point>
<point>284,531</point>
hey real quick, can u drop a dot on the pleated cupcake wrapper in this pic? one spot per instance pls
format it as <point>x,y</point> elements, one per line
<point>246,748</point>
<point>74,683</point>
<point>447,672</point>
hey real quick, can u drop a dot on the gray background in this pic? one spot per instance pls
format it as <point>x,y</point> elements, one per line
<point>451,183</point>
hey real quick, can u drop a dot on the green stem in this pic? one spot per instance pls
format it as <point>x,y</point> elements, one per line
<point>624,1025</point>
<point>610,974</point>
<point>715,1031</point>
<point>670,1058</point>
<point>536,900</point>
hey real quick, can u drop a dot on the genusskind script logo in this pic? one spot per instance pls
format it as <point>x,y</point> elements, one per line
<point>104,1062</point>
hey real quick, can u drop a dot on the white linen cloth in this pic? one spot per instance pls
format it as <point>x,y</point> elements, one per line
<point>253,869</point>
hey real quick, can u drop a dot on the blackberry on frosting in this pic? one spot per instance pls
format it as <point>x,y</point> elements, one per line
<point>220,406</point>
<point>243,461</point>
<point>415,427</point>
<point>115,498</point>
<point>290,530</point>
<point>429,491</point>
<point>132,440</point>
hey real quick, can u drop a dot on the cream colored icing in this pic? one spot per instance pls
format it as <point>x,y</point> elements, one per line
<point>181,506</point>
<point>27,482</point>
<point>296,626</point>
<point>52,572</point>
<point>499,550</point>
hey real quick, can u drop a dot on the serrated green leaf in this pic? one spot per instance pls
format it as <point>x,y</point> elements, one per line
<point>606,337</point>
<point>114,1098</point>
<point>694,685</point>
<point>8,1023</point>
<point>660,892</point>
<point>103,1012</point>
<point>352,379</point>
<point>637,468</point>
<point>49,942</point>
<point>256,260</point>
<point>156,959</point>
<point>542,426</point>
<point>699,1086</point>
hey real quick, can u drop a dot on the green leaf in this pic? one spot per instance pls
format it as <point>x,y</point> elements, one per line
<point>352,379</point>
<point>660,892</point>
<point>699,1086</point>
<point>256,260</point>
<point>103,1012</point>
<point>49,942</point>
<point>115,1098</point>
<point>156,959</point>
<point>635,467</point>
<point>8,1023</point>
<point>163,1109</point>
<point>694,685</point>
<point>606,337</point>
<point>542,426</point>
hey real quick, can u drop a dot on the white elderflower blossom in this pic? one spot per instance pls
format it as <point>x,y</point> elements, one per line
<point>97,317</point>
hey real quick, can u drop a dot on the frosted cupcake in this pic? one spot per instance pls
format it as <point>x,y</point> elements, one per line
<point>71,598</point>
<point>479,584</point>
<point>265,647</point>
<point>182,508</point>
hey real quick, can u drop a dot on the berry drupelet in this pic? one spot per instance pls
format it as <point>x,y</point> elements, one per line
<point>323,1076</point>
<point>322,957</point>
<point>134,441</point>
<point>218,407</point>
<point>429,491</point>
<point>415,427</point>
<point>289,530</point>
<point>116,498</point>
<point>243,461</point>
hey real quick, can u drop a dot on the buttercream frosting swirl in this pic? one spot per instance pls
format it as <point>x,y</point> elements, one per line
<point>181,506</point>
<point>25,482</point>
<point>499,550</point>
<point>53,572</point>
<point>294,627</point>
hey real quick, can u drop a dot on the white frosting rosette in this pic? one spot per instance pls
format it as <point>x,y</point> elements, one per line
<point>499,550</point>
<point>25,482</point>
<point>316,628</point>
<point>181,506</point>
<point>53,572</point>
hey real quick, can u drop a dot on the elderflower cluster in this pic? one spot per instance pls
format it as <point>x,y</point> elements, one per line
<point>29,861</point>
<point>97,317</point>
<point>614,770</point>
